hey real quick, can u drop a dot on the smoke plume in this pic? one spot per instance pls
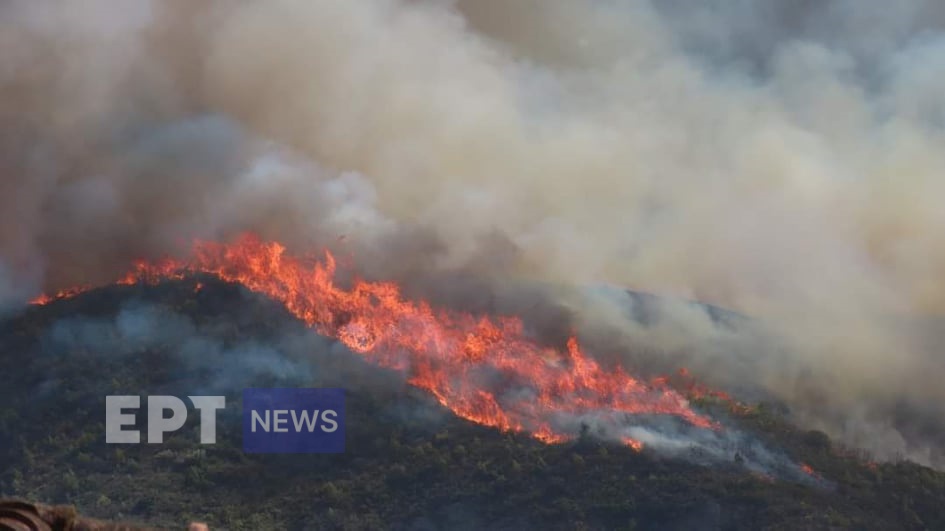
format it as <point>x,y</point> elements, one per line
<point>779,158</point>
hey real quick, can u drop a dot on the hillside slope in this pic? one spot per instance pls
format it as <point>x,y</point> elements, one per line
<point>409,463</point>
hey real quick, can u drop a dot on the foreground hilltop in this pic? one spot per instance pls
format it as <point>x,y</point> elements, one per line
<point>409,464</point>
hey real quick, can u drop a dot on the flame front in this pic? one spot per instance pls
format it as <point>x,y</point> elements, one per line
<point>486,370</point>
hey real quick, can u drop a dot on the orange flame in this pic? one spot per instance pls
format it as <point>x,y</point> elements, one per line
<point>61,294</point>
<point>457,357</point>
<point>633,443</point>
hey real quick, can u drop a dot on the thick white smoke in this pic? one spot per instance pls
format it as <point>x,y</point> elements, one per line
<point>780,158</point>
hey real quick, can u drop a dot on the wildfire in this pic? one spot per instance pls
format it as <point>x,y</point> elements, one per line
<point>61,294</point>
<point>632,443</point>
<point>697,390</point>
<point>484,369</point>
<point>807,469</point>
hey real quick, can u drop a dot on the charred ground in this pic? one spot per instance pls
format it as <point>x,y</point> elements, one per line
<point>409,464</point>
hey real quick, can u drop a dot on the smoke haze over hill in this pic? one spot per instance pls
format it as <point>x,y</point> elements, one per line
<point>780,158</point>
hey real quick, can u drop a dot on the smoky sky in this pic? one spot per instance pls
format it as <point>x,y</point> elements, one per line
<point>780,158</point>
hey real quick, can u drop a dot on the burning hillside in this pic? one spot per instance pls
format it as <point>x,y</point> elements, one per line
<point>409,462</point>
<point>484,369</point>
<point>670,228</point>
<point>751,159</point>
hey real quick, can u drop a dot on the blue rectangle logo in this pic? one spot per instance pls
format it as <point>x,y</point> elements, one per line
<point>294,421</point>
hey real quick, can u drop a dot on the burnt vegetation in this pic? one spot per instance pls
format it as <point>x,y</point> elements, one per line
<point>409,464</point>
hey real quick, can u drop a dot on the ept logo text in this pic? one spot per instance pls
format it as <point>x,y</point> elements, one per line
<point>116,420</point>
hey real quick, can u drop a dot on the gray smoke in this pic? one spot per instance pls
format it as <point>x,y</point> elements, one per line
<point>780,158</point>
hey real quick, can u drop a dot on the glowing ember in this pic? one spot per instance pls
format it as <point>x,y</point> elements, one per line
<point>486,370</point>
<point>633,443</point>
<point>808,470</point>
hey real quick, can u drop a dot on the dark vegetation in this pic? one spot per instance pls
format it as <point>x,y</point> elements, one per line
<point>408,465</point>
